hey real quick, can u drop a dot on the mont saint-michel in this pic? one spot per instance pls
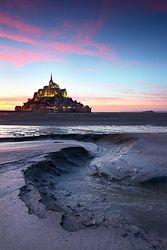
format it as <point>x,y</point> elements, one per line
<point>52,98</point>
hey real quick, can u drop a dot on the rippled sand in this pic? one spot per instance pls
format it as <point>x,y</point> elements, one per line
<point>84,192</point>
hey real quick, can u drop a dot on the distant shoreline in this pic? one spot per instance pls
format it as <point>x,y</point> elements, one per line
<point>142,111</point>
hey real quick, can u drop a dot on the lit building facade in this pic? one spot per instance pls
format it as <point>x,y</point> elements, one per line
<point>52,99</point>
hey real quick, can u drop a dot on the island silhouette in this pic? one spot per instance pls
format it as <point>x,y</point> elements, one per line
<point>52,98</point>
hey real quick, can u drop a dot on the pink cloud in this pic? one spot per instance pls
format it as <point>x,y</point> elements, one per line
<point>83,41</point>
<point>17,37</point>
<point>25,33</point>
<point>126,108</point>
<point>84,49</point>
<point>72,48</point>
<point>80,42</point>
<point>9,103</point>
<point>19,25</point>
<point>18,30</point>
<point>83,32</point>
<point>127,100</point>
<point>13,98</point>
<point>21,57</point>
<point>141,101</point>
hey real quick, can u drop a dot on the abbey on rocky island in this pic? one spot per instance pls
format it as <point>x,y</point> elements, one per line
<point>52,99</point>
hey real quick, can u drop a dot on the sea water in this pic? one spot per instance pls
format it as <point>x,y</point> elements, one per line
<point>22,130</point>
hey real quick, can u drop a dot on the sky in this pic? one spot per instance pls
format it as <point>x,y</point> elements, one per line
<point>109,54</point>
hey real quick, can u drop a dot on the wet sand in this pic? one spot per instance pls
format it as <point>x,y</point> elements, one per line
<point>100,192</point>
<point>71,119</point>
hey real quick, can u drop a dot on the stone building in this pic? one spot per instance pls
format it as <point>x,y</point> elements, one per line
<point>52,99</point>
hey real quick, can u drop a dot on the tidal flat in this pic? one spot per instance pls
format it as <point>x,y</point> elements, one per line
<point>84,191</point>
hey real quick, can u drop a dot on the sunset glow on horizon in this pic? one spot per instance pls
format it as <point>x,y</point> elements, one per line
<point>109,55</point>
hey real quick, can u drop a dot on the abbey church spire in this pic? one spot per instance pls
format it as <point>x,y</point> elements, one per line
<point>51,80</point>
